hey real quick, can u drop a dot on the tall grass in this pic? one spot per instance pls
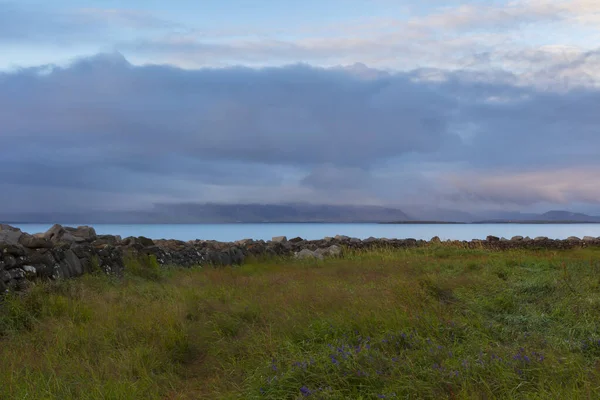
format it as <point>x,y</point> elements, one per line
<point>436,322</point>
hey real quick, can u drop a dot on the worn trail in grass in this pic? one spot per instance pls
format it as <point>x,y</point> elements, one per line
<point>436,322</point>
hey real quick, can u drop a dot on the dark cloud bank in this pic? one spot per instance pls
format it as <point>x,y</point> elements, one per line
<point>104,135</point>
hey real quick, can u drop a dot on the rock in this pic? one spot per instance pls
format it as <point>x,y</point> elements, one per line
<point>237,256</point>
<point>58,233</point>
<point>146,242</point>
<point>12,249</point>
<point>243,242</point>
<point>34,242</point>
<point>296,240</point>
<point>9,235</point>
<point>341,237</point>
<point>44,262</point>
<point>516,238</point>
<point>308,254</point>
<point>331,251</point>
<point>10,262</point>
<point>71,265</point>
<point>107,240</point>
<point>224,258</point>
<point>320,253</point>
<point>491,238</point>
<point>132,242</point>
<point>17,273</point>
<point>3,287</point>
<point>55,233</point>
<point>436,240</point>
<point>82,233</point>
<point>29,271</point>
<point>335,250</point>
<point>573,239</point>
<point>503,239</point>
<point>82,250</point>
<point>540,239</point>
<point>4,276</point>
<point>279,239</point>
<point>589,239</point>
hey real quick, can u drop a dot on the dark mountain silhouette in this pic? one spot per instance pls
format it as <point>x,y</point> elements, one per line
<point>569,216</point>
<point>193,213</point>
<point>222,213</point>
<point>554,216</point>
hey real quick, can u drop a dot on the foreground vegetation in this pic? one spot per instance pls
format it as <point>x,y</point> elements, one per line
<point>436,322</point>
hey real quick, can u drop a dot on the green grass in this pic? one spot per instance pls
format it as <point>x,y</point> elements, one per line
<point>436,322</point>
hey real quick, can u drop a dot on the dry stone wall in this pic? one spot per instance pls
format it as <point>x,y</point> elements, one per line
<point>65,252</point>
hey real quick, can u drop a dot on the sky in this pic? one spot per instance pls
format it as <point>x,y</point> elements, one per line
<point>472,105</point>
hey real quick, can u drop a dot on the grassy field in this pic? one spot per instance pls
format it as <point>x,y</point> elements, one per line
<point>428,323</point>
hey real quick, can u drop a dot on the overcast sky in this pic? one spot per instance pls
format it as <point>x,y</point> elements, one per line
<point>474,105</point>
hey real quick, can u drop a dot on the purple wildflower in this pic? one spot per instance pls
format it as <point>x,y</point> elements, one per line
<point>305,391</point>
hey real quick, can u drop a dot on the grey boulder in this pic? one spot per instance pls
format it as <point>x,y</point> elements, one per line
<point>331,251</point>
<point>306,254</point>
<point>71,265</point>
<point>80,234</point>
<point>34,242</point>
<point>9,235</point>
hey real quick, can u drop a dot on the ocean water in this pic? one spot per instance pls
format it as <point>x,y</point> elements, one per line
<point>232,232</point>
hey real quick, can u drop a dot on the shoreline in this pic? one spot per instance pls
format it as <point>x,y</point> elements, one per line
<point>522,222</point>
<point>67,252</point>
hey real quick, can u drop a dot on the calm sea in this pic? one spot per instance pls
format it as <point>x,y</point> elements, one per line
<point>232,232</point>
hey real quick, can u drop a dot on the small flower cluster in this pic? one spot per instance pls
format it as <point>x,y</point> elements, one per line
<point>305,391</point>
<point>591,346</point>
<point>359,357</point>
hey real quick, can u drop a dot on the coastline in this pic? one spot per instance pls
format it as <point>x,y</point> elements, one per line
<point>67,252</point>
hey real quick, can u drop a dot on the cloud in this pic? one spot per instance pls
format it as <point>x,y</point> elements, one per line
<point>554,186</point>
<point>139,135</point>
<point>449,37</point>
<point>291,115</point>
<point>510,14</point>
<point>43,24</point>
<point>472,36</point>
<point>130,18</point>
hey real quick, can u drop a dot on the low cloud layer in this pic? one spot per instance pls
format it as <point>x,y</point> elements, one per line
<point>103,134</point>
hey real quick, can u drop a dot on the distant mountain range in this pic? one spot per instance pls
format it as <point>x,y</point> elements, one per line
<point>555,216</point>
<point>191,213</point>
<point>423,213</point>
<point>221,213</point>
